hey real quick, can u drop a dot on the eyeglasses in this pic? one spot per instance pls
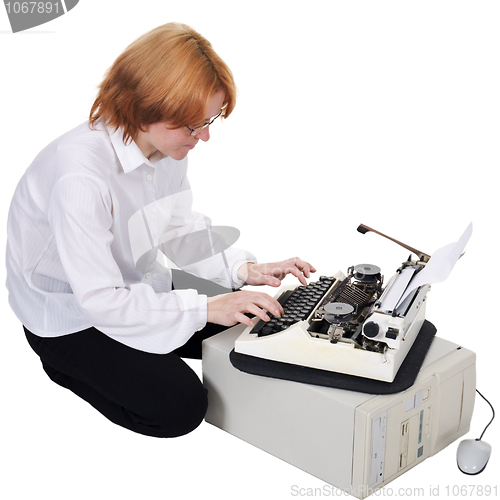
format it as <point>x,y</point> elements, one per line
<point>196,130</point>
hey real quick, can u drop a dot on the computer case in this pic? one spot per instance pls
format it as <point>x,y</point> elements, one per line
<point>354,441</point>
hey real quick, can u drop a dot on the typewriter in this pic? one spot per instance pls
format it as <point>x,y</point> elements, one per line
<point>353,323</point>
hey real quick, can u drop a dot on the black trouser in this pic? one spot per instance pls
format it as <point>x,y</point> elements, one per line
<point>154,394</point>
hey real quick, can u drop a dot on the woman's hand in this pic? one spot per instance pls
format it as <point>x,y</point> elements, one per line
<point>272,273</point>
<point>230,308</point>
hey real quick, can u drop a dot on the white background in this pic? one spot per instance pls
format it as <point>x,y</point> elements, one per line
<point>385,113</point>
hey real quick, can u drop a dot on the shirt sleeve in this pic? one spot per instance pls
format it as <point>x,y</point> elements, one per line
<point>81,217</point>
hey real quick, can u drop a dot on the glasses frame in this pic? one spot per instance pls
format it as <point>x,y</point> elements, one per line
<point>196,130</point>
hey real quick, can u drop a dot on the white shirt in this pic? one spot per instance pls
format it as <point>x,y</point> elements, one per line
<point>87,224</point>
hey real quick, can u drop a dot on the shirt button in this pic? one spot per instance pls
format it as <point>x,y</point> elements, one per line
<point>153,210</point>
<point>149,177</point>
<point>148,275</point>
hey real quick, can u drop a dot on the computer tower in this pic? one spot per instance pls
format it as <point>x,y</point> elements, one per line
<point>354,441</point>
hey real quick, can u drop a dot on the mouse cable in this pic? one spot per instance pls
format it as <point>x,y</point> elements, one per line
<point>492,409</point>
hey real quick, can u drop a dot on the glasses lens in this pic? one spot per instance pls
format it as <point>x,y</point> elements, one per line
<point>199,128</point>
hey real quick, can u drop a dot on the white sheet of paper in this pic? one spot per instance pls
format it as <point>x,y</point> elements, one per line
<point>440,264</point>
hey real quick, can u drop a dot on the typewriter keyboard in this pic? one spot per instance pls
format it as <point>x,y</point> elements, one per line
<point>298,305</point>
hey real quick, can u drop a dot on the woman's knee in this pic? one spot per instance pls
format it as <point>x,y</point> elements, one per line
<point>174,415</point>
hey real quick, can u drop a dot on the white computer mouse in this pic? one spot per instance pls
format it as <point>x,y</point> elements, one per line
<point>472,456</point>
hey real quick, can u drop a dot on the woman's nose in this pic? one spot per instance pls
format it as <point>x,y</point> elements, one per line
<point>204,134</point>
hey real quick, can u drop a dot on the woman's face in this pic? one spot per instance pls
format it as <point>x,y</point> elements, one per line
<point>176,143</point>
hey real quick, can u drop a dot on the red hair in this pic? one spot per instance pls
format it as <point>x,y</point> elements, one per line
<point>168,74</point>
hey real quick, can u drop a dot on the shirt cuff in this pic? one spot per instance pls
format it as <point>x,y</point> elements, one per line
<point>237,282</point>
<point>195,305</point>
<point>203,309</point>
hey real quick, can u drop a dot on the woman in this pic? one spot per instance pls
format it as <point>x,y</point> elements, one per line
<point>90,219</point>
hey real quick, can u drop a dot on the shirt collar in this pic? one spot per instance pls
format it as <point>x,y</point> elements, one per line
<point>129,155</point>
